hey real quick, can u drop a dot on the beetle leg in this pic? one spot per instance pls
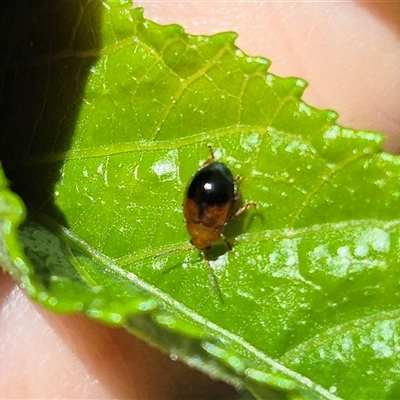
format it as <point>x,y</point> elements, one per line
<point>225,239</point>
<point>244,208</point>
<point>212,277</point>
<point>210,159</point>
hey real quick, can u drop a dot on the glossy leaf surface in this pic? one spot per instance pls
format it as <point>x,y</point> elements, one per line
<point>311,290</point>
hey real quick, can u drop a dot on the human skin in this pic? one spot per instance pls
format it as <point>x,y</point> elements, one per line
<point>349,52</point>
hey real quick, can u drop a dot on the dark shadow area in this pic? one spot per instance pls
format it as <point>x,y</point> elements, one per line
<point>239,225</point>
<point>216,250</point>
<point>48,48</point>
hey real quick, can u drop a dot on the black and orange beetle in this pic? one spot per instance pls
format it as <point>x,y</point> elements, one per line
<point>209,203</point>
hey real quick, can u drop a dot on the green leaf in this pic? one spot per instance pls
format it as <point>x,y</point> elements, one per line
<point>12,213</point>
<point>126,110</point>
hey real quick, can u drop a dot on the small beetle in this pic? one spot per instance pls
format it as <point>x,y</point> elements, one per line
<point>209,203</point>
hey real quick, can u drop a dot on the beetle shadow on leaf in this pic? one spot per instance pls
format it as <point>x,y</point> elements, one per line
<point>240,225</point>
<point>44,73</point>
<point>216,251</point>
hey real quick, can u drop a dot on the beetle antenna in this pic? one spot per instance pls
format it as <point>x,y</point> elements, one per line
<point>174,251</point>
<point>213,279</point>
<point>211,276</point>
